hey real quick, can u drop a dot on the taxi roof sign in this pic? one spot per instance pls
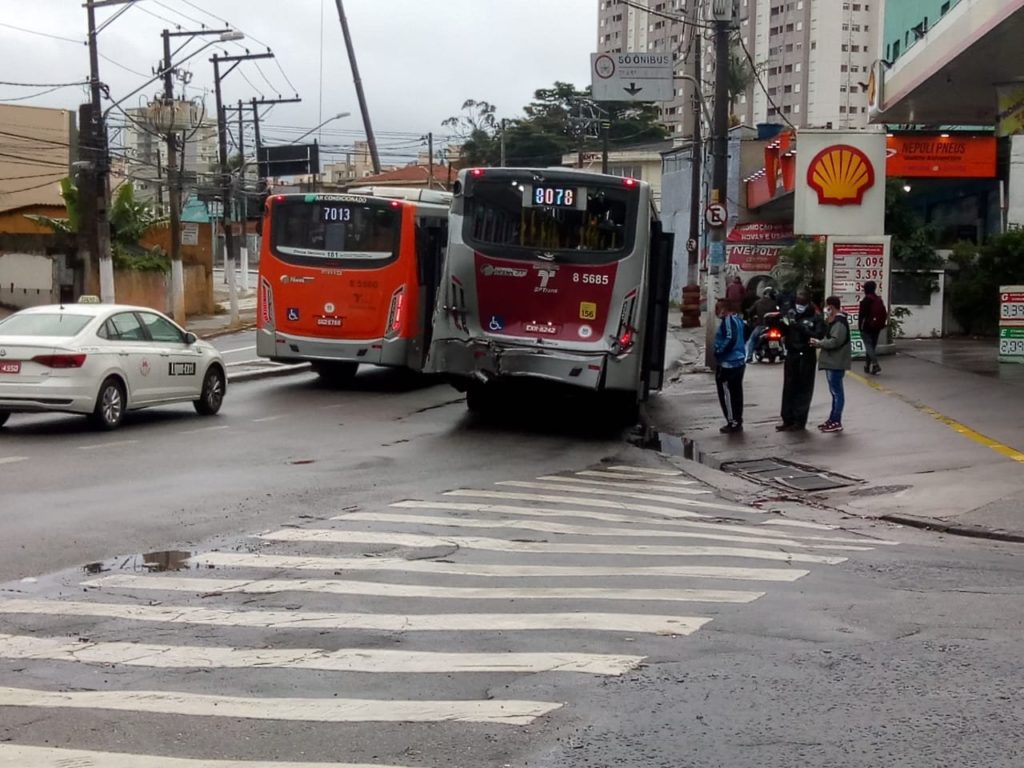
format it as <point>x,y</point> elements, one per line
<point>88,299</point>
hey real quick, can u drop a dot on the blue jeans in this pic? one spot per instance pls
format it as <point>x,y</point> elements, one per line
<point>835,388</point>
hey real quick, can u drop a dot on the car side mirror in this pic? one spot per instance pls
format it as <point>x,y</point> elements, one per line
<point>191,338</point>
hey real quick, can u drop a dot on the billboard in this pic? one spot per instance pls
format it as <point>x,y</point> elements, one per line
<point>940,156</point>
<point>840,187</point>
<point>289,160</point>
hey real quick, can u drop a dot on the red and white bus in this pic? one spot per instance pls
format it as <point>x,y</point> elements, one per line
<point>556,275</point>
<point>350,278</point>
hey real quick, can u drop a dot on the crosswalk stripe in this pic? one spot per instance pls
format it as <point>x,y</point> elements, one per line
<point>610,492</point>
<point>332,710</point>
<point>539,547</point>
<point>648,471</point>
<point>584,530</point>
<point>608,475</point>
<point>18,756</point>
<point>651,485</point>
<point>511,570</point>
<point>343,660</point>
<point>383,622</point>
<point>379,589</point>
<point>606,503</point>
<point>612,517</point>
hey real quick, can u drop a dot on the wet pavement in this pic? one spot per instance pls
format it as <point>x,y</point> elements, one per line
<point>979,356</point>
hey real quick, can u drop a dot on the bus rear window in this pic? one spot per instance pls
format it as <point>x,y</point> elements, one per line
<point>565,217</point>
<point>356,234</point>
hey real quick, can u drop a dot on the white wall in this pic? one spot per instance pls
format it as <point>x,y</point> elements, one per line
<point>925,321</point>
<point>26,280</point>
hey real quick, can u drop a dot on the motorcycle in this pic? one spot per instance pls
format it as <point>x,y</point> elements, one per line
<point>770,346</point>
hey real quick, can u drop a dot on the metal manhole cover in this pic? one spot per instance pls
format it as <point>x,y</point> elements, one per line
<point>789,474</point>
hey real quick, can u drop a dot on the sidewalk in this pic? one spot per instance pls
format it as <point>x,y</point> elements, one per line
<point>937,439</point>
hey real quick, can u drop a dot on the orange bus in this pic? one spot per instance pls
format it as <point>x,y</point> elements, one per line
<point>350,278</point>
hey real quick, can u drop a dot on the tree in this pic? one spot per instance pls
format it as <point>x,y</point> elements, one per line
<point>974,295</point>
<point>802,265</point>
<point>477,127</point>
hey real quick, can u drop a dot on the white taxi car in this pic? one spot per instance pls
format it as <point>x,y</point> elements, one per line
<point>103,360</point>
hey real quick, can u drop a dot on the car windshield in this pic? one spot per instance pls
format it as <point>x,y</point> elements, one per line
<point>43,324</point>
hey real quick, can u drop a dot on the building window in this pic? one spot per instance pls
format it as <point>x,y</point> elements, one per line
<point>944,9</point>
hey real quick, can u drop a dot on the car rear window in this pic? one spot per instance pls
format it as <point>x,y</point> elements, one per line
<point>43,324</point>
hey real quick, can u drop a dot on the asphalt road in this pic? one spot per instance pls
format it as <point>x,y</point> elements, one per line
<point>371,577</point>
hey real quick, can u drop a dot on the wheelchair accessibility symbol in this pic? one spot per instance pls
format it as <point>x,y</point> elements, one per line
<point>497,324</point>
<point>293,313</point>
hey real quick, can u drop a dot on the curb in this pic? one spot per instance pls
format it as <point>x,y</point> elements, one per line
<point>269,373</point>
<point>954,529</point>
<point>246,326</point>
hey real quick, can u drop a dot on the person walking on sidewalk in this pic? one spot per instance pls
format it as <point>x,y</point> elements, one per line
<point>730,356</point>
<point>801,324</point>
<point>871,320</point>
<point>834,360</point>
<point>736,293</point>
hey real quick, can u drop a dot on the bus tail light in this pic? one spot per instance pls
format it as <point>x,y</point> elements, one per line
<point>266,303</point>
<point>625,335</point>
<point>396,314</point>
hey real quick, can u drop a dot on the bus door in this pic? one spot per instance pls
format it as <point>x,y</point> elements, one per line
<point>659,282</point>
<point>431,239</point>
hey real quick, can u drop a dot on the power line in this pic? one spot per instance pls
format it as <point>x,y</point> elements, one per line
<point>44,85</point>
<point>760,82</point>
<point>192,19</point>
<point>43,34</point>
<point>34,95</point>
<point>122,66</point>
<point>27,189</point>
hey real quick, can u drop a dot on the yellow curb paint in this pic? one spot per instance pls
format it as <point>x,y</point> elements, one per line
<point>956,426</point>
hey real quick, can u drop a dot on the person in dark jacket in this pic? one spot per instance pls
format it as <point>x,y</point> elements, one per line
<point>872,317</point>
<point>834,360</point>
<point>762,307</point>
<point>730,355</point>
<point>800,325</point>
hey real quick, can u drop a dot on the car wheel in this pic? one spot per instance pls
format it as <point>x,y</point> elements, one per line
<point>4,416</point>
<point>110,405</point>
<point>336,374</point>
<point>212,396</point>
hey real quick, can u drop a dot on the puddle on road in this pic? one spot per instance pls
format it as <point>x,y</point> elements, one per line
<point>674,445</point>
<point>148,562</point>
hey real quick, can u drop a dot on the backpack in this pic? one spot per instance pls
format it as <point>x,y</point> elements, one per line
<point>878,315</point>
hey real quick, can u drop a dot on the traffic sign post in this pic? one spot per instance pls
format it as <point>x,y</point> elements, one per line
<point>716,215</point>
<point>631,76</point>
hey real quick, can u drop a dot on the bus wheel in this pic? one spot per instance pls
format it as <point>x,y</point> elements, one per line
<point>480,399</point>
<point>625,408</point>
<point>336,374</point>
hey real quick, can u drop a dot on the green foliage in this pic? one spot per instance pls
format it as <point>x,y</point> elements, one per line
<point>895,322</point>
<point>803,266</point>
<point>138,259</point>
<point>68,226</point>
<point>974,294</point>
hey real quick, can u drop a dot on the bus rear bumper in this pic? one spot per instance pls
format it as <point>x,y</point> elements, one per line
<point>484,362</point>
<point>286,348</point>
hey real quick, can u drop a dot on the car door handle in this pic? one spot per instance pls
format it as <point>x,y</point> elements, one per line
<point>165,354</point>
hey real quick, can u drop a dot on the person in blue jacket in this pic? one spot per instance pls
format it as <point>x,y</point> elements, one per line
<point>731,359</point>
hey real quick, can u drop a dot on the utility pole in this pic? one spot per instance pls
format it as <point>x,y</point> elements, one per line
<point>430,160</point>
<point>723,11</point>
<point>697,154</point>
<point>504,160</point>
<point>370,140</point>
<point>174,193</point>
<point>230,243</point>
<point>244,202</point>
<point>606,129</point>
<point>100,176</point>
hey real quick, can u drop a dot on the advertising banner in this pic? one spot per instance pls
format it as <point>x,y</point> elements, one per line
<point>936,156</point>
<point>851,262</point>
<point>1011,324</point>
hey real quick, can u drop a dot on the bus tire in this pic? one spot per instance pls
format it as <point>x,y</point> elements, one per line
<point>336,373</point>
<point>624,408</point>
<point>480,399</point>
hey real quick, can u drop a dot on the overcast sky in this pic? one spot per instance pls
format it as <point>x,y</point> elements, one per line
<point>419,59</point>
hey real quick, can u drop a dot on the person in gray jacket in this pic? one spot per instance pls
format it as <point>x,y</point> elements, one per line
<point>834,360</point>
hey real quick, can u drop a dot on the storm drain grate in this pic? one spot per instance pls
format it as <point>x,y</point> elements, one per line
<point>788,474</point>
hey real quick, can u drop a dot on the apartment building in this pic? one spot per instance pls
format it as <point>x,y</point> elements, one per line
<point>814,57</point>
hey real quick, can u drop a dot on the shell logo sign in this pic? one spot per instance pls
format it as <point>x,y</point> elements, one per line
<point>841,174</point>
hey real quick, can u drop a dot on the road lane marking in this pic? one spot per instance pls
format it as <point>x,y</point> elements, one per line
<point>268,418</point>
<point>609,475</point>
<point>652,485</point>
<point>204,429</point>
<point>605,491</point>
<point>111,444</point>
<point>663,524</point>
<point>648,471</point>
<point>376,589</point>
<point>586,530</point>
<point>312,563</point>
<point>1000,448</point>
<point>335,405</point>
<point>13,459</point>
<point>372,660</point>
<point>333,710</point>
<point>238,349</point>
<point>607,503</point>
<point>383,622</point>
<point>17,756</point>
<point>538,547</point>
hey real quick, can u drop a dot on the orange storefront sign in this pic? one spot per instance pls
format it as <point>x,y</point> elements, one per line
<point>935,156</point>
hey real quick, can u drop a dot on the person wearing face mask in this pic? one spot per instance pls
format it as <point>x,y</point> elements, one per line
<point>834,360</point>
<point>730,355</point>
<point>801,324</point>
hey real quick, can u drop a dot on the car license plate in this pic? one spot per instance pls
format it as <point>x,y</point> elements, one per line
<point>11,367</point>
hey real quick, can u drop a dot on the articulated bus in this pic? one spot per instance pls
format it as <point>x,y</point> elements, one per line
<point>350,278</point>
<point>552,275</point>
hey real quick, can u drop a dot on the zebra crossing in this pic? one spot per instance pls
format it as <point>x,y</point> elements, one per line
<point>397,617</point>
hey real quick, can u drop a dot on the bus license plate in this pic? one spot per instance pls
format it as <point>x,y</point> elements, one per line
<point>11,367</point>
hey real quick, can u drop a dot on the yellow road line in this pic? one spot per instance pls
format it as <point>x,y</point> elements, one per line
<point>956,426</point>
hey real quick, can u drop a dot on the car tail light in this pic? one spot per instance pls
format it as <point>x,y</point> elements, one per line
<point>60,361</point>
<point>629,182</point>
<point>266,303</point>
<point>395,313</point>
<point>477,172</point>
<point>626,333</point>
